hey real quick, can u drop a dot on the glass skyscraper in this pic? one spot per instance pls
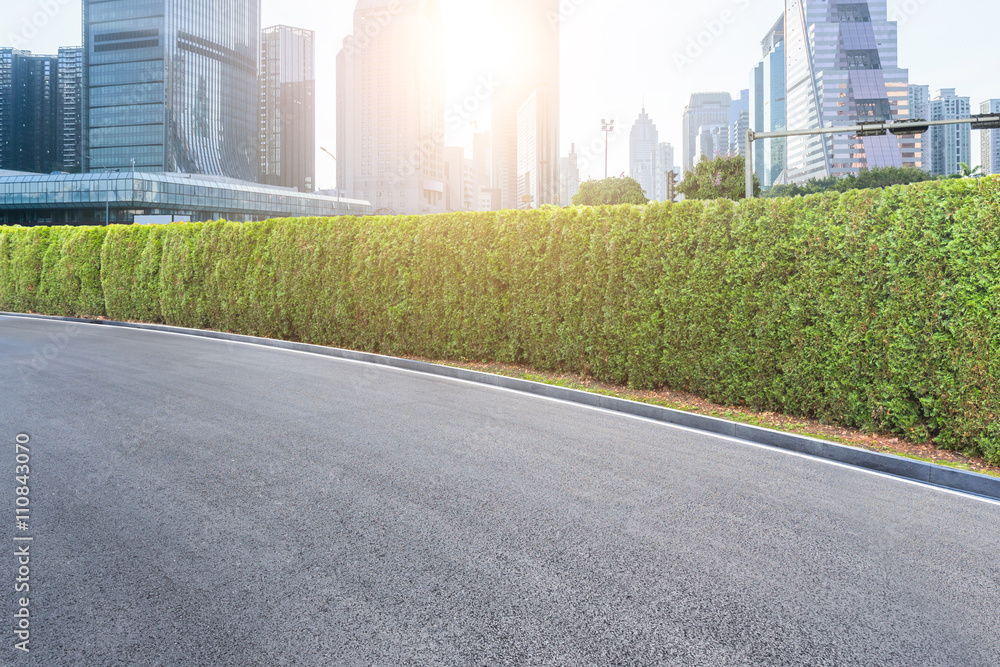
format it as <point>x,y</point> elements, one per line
<point>767,105</point>
<point>29,94</point>
<point>70,109</point>
<point>288,108</point>
<point>842,69</point>
<point>172,85</point>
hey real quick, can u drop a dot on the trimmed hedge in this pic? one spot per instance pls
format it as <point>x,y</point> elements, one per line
<point>875,309</point>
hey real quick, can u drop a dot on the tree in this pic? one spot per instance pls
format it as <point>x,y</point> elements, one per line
<point>721,178</point>
<point>966,171</point>
<point>883,177</point>
<point>611,191</point>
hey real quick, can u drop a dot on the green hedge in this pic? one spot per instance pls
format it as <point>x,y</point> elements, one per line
<point>876,309</point>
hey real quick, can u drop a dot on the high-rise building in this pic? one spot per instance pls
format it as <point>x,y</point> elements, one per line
<point>704,110</point>
<point>664,163</point>
<point>70,110</point>
<point>841,66</point>
<point>287,108</point>
<point>461,192</point>
<point>767,106</point>
<point>643,142</point>
<point>390,107</point>
<point>990,140</point>
<point>537,161</point>
<point>739,123</point>
<point>569,177</point>
<point>919,99</point>
<point>949,145</point>
<point>29,113</point>
<point>482,167</point>
<point>529,40</point>
<point>172,85</point>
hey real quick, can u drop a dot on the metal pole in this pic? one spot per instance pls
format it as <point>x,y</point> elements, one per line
<point>748,159</point>
<point>107,199</point>
<point>605,153</point>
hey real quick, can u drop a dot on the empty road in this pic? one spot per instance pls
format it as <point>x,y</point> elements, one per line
<point>199,502</point>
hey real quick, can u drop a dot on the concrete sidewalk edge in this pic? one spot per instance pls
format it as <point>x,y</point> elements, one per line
<point>921,471</point>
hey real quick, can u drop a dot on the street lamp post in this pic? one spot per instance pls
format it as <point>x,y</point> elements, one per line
<point>607,126</point>
<point>337,190</point>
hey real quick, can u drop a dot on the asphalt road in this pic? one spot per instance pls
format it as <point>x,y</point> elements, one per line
<point>197,502</point>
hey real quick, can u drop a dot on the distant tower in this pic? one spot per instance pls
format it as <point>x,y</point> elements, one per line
<point>705,110</point>
<point>569,177</point>
<point>287,108</point>
<point>29,116</point>
<point>529,38</point>
<point>643,142</point>
<point>990,140</point>
<point>390,107</point>
<point>949,145</point>
<point>767,105</point>
<point>842,69</point>
<point>70,109</point>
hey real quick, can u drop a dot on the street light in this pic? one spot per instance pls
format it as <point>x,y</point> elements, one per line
<point>107,189</point>
<point>607,126</point>
<point>337,190</point>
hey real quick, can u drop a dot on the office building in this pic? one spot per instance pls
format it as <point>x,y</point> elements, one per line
<point>461,192</point>
<point>29,113</point>
<point>664,163</point>
<point>841,65</point>
<point>643,143</point>
<point>528,38</point>
<point>767,106</point>
<point>704,112</point>
<point>126,197</point>
<point>990,141</point>
<point>287,108</point>
<point>919,102</point>
<point>390,107</point>
<point>739,123</point>
<point>537,156</point>
<point>70,110</point>
<point>171,86</point>
<point>949,145</point>
<point>569,177</point>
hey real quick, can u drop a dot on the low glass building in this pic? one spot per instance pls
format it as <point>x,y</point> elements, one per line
<point>87,199</point>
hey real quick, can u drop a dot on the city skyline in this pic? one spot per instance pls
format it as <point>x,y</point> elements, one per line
<point>683,50</point>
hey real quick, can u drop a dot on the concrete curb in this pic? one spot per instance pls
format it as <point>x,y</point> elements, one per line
<point>920,471</point>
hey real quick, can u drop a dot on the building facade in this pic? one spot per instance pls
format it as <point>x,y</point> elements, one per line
<point>739,123</point>
<point>391,107</point>
<point>990,141</point>
<point>767,106</point>
<point>949,145</point>
<point>842,69</point>
<point>528,38</point>
<point>70,110</point>
<point>29,111</point>
<point>172,85</point>
<point>705,112</point>
<point>643,143</point>
<point>537,163</point>
<point>461,187</point>
<point>288,108</point>
<point>664,164</point>
<point>569,177</point>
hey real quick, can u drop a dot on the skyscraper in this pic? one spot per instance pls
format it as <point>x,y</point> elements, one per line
<point>70,110</point>
<point>949,145</point>
<point>390,107</point>
<point>767,105</point>
<point>739,123</point>
<point>920,98</point>
<point>569,176</point>
<point>287,108</point>
<point>29,114</point>
<point>664,163</point>
<point>842,69</point>
<point>537,163</point>
<point>990,140</point>
<point>172,85</point>
<point>643,143</point>
<point>529,40</point>
<point>705,110</point>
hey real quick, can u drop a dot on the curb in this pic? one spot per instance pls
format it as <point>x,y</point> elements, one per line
<point>920,471</point>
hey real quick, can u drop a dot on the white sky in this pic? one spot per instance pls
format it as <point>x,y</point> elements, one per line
<point>614,54</point>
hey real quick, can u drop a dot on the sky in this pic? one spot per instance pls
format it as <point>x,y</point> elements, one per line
<point>616,55</point>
